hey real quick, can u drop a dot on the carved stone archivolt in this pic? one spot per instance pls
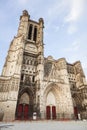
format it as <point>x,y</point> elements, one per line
<point>28,93</point>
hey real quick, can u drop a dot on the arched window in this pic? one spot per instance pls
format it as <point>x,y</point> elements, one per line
<point>33,78</point>
<point>35,34</point>
<point>35,63</point>
<point>23,61</point>
<point>30,32</point>
<point>27,61</point>
<point>31,62</point>
<point>22,77</point>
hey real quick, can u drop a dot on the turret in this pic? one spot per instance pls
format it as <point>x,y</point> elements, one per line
<point>23,25</point>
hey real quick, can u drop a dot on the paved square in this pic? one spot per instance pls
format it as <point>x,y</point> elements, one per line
<point>44,125</point>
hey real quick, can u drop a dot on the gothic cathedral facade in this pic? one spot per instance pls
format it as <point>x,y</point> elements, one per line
<point>31,83</point>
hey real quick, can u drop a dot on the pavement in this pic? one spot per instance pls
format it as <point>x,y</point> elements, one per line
<point>44,125</point>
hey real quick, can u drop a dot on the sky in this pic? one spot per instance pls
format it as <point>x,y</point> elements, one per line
<point>65,27</point>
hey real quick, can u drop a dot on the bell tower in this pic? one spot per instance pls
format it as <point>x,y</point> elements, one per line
<point>23,70</point>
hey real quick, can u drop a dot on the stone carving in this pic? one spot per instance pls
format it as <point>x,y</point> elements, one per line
<point>79,79</point>
<point>31,48</point>
<point>47,69</point>
<point>19,61</point>
<point>78,69</point>
<point>3,96</point>
<point>3,87</point>
<point>52,72</point>
<point>27,80</point>
<point>84,104</point>
<point>1,114</point>
<point>24,99</point>
<point>25,13</point>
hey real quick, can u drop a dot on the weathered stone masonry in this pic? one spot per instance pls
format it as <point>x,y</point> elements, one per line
<point>31,83</point>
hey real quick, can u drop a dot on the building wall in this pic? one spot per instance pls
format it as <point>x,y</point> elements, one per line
<point>31,82</point>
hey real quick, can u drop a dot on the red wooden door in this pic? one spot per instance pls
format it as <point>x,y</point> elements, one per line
<point>26,111</point>
<point>76,112</point>
<point>20,111</point>
<point>53,112</point>
<point>48,112</point>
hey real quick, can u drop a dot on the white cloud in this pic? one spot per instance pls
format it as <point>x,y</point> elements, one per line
<point>56,8</point>
<point>76,10</point>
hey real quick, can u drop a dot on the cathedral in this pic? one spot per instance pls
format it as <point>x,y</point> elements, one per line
<point>34,85</point>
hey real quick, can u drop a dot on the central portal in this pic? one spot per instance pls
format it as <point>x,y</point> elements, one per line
<point>50,106</point>
<point>23,111</point>
<point>25,107</point>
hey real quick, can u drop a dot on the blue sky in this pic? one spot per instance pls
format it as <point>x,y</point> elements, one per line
<point>65,32</point>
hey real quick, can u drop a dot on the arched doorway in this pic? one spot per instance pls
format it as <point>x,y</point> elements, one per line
<point>50,106</point>
<point>76,105</point>
<point>52,101</point>
<point>25,106</point>
<point>75,109</point>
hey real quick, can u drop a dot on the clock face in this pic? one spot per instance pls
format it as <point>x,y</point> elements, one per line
<point>31,48</point>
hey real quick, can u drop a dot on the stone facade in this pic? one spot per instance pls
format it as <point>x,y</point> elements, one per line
<point>31,83</point>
